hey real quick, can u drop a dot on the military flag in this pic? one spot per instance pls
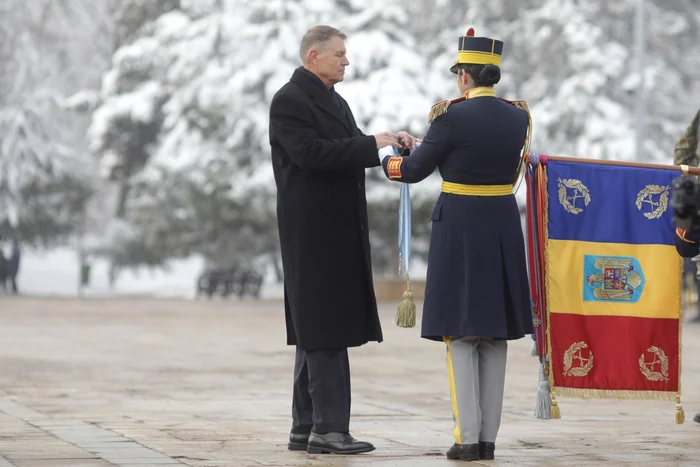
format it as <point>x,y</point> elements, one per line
<point>605,279</point>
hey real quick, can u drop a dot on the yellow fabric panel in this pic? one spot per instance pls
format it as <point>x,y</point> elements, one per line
<point>658,297</point>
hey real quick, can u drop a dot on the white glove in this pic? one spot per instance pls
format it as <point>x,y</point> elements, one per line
<point>385,151</point>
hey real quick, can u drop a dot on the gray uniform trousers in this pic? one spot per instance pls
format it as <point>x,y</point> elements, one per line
<point>476,367</point>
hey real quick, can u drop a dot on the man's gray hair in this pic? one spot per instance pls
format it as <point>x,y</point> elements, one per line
<point>317,36</point>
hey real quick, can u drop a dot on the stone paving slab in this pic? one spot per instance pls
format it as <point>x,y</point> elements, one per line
<point>39,441</point>
<point>208,383</point>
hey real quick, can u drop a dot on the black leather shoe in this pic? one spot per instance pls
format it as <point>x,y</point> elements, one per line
<point>486,450</point>
<point>298,441</point>
<point>697,418</point>
<point>336,443</point>
<point>464,452</point>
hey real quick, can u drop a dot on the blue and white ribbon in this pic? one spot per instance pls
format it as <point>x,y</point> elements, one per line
<point>404,226</point>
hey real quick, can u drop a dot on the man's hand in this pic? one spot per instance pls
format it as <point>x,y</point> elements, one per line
<point>408,140</point>
<point>386,139</point>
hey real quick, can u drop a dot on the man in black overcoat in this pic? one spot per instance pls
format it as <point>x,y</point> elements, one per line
<point>319,157</point>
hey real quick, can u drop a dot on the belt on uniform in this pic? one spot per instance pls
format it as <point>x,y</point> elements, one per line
<point>476,190</point>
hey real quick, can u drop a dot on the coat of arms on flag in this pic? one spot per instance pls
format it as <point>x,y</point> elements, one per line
<point>612,279</point>
<point>605,280</point>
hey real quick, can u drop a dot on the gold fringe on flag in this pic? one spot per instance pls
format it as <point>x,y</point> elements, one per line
<point>617,394</point>
<point>556,411</point>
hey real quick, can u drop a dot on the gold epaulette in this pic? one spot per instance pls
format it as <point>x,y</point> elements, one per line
<point>518,103</point>
<point>510,101</point>
<point>440,108</point>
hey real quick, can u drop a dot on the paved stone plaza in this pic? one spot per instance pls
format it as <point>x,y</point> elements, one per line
<point>153,382</point>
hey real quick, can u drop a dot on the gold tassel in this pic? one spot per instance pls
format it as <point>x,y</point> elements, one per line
<point>556,413</point>
<point>406,314</point>
<point>680,414</point>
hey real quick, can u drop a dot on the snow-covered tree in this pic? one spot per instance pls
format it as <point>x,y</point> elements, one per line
<point>182,117</point>
<point>384,86</point>
<point>203,175</point>
<point>162,135</point>
<point>46,174</point>
<point>574,63</point>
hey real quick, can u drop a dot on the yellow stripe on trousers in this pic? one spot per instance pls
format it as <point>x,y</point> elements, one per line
<point>453,391</point>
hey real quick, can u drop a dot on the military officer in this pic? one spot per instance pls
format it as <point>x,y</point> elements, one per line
<point>687,152</point>
<point>477,295</point>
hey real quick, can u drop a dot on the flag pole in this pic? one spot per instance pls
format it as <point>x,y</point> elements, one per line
<point>644,165</point>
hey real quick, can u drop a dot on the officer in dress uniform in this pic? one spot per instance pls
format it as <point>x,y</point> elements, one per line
<point>477,296</point>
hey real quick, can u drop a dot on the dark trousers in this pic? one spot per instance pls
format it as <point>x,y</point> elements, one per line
<point>321,401</point>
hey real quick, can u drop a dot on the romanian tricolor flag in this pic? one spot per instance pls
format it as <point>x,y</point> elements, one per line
<point>605,279</point>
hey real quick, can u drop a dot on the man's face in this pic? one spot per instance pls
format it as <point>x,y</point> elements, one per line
<point>332,61</point>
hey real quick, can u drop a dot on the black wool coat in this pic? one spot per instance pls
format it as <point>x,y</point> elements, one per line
<point>319,156</point>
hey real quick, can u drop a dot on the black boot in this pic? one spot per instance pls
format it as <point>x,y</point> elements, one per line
<point>464,452</point>
<point>298,441</point>
<point>486,450</point>
<point>336,443</point>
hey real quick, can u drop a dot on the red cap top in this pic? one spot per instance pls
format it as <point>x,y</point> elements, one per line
<point>470,32</point>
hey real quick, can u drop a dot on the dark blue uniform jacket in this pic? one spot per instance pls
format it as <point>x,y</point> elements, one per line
<point>477,281</point>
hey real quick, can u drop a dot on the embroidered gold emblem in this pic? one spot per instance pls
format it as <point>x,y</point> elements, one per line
<point>568,198</point>
<point>658,205</point>
<point>648,368</point>
<point>393,167</point>
<point>585,363</point>
<point>610,279</point>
